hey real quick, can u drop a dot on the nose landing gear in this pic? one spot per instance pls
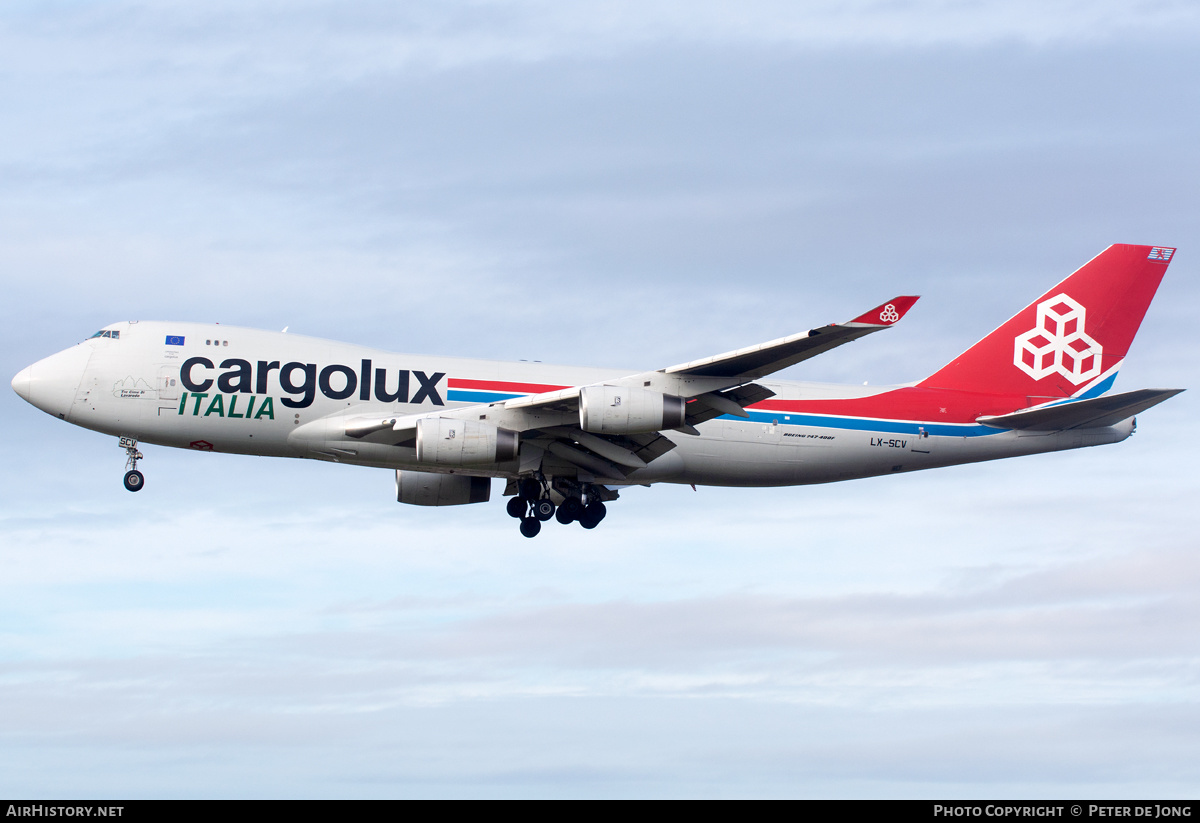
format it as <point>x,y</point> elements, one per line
<point>134,480</point>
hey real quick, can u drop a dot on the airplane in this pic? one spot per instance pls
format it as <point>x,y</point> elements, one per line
<point>567,439</point>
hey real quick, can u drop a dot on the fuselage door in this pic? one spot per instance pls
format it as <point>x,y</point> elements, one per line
<point>168,382</point>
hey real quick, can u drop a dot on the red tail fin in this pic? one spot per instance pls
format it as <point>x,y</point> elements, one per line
<point>1071,337</point>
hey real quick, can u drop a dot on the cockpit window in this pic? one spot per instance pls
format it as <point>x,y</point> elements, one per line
<point>106,333</point>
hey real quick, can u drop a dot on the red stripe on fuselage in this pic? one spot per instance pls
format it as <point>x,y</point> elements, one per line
<point>908,403</point>
<point>501,385</point>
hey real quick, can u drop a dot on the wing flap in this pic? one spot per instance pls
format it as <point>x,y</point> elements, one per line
<point>587,461</point>
<point>630,451</point>
<point>650,447</point>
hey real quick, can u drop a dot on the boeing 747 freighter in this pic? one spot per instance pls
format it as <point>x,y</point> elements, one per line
<point>564,440</point>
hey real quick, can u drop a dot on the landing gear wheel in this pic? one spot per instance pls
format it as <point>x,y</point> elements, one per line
<point>133,478</point>
<point>516,507</point>
<point>530,526</point>
<point>570,510</point>
<point>592,515</point>
<point>543,510</point>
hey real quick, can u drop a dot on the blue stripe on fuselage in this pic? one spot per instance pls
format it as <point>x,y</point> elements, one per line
<point>865,424</point>
<point>789,418</point>
<point>468,396</point>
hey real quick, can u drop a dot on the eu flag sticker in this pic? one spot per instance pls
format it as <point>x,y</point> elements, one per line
<point>174,340</point>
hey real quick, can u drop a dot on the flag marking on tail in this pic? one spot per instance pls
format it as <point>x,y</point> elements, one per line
<point>1160,253</point>
<point>1058,343</point>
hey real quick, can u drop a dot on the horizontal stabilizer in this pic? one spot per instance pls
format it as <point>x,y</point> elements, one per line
<point>1095,413</point>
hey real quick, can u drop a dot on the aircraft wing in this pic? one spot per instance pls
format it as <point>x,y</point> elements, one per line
<point>710,375</point>
<point>549,422</point>
<point>711,387</point>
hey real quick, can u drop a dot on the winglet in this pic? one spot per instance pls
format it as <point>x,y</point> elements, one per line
<point>889,313</point>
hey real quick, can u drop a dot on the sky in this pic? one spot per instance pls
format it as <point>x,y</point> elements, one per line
<point>628,185</point>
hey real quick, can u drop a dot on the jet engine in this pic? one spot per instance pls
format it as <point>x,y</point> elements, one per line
<point>624,410</point>
<point>430,489</point>
<point>450,442</point>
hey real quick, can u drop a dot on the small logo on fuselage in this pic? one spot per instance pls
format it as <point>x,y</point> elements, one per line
<point>132,387</point>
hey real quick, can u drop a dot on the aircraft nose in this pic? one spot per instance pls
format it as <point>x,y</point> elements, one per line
<point>22,382</point>
<point>50,384</point>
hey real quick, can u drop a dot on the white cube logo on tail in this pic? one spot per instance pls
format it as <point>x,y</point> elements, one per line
<point>889,314</point>
<point>1058,344</point>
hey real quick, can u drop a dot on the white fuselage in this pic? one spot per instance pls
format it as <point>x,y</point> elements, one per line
<point>247,391</point>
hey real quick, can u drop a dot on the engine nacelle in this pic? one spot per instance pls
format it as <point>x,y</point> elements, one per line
<point>624,410</point>
<point>450,442</point>
<point>430,489</point>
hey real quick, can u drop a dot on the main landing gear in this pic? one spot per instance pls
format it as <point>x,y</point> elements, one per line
<point>532,505</point>
<point>134,480</point>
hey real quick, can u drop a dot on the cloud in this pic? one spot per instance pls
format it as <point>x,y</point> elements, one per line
<point>279,43</point>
